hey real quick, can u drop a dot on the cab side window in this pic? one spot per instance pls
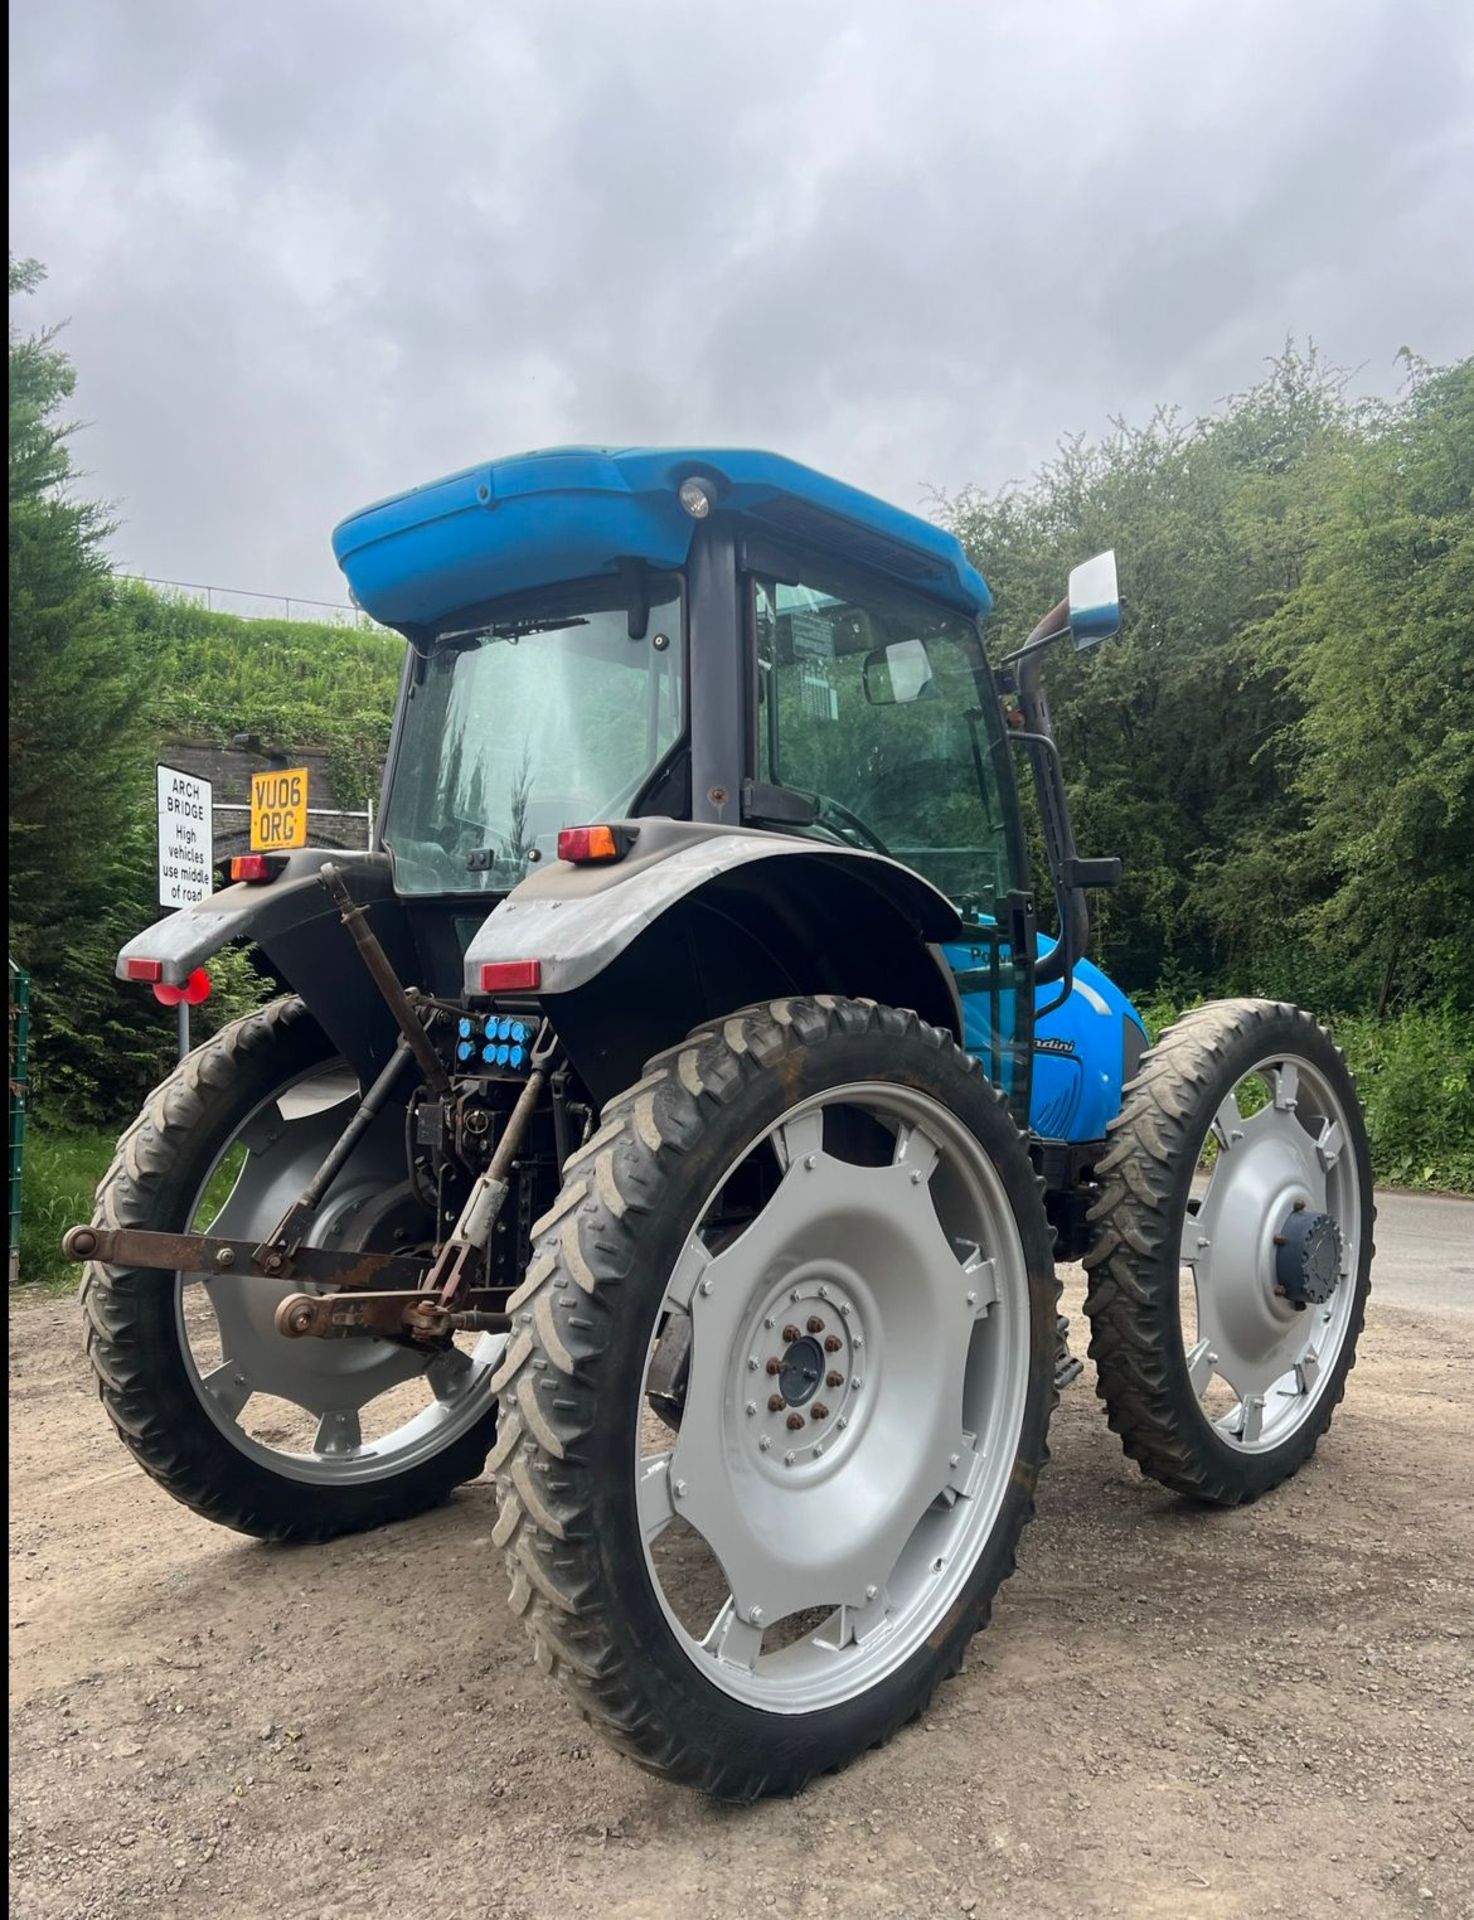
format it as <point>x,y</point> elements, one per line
<point>881,706</point>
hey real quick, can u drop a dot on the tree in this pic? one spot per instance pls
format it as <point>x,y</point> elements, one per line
<point>1174,735</point>
<point>1379,643</point>
<point>80,751</point>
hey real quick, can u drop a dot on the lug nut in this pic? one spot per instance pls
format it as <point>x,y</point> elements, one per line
<point>791,1333</point>
<point>815,1324</point>
<point>1299,1206</point>
<point>775,1365</point>
<point>832,1343</point>
<point>819,1411</point>
<point>794,1422</point>
<point>1280,1240</point>
<point>832,1379</point>
<point>775,1403</point>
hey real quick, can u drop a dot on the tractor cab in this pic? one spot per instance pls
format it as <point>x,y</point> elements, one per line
<point>730,641</point>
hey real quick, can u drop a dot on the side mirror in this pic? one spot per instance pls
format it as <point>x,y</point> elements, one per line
<point>898,674</point>
<point>1095,601</point>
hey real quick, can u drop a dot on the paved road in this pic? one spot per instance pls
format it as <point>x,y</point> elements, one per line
<point>1425,1252</point>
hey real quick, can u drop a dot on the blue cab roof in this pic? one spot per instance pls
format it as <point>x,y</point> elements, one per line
<point>533,519</point>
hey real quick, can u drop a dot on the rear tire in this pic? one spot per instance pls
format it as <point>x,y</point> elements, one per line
<point>571,1469</point>
<point>148,1384</point>
<point>1151,1229</point>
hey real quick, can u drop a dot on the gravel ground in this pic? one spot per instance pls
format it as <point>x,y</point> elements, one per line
<point>1175,1712</point>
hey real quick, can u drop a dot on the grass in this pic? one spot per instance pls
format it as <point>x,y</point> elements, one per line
<point>61,1175</point>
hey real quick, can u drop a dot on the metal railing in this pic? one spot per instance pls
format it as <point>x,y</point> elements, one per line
<point>334,613</point>
<point>313,813</point>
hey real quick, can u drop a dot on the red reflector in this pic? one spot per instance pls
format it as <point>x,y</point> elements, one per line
<point>147,970</point>
<point>511,976</point>
<point>579,844</point>
<point>252,866</point>
<point>194,992</point>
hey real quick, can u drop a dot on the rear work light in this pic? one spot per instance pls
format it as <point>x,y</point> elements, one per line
<point>149,971</point>
<point>583,845</point>
<point>255,868</point>
<point>511,976</point>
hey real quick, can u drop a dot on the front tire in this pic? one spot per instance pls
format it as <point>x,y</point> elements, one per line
<point>846,1165</point>
<point>1230,1269</point>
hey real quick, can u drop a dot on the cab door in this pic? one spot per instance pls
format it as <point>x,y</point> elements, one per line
<point>880,703</point>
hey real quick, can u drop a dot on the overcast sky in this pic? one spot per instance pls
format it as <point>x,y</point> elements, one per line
<point>314,251</point>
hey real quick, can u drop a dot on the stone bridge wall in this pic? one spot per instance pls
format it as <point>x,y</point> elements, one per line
<point>229,771</point>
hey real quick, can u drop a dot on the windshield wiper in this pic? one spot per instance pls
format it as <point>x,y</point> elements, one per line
<point>515,630</point>
<point>511,630</point>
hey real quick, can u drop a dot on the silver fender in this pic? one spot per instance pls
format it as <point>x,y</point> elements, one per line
<point>184,940</point>
<point>576,920</point>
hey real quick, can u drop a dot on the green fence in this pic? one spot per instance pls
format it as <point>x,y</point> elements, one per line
<point>20,1044</point>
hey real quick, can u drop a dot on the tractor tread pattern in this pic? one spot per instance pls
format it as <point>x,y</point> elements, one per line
<point>579,1261</point>
<point>1132,1270</point>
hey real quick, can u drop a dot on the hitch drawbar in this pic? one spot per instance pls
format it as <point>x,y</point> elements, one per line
<point>383,1294</point>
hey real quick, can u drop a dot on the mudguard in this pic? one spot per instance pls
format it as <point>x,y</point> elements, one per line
<point>297,928</point>
<point>576,921</point>
<point>184,940</point>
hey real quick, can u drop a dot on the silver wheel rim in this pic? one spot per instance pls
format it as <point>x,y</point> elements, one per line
<point>1274,1359</point>
<point>332,1382</point>
<point>853,1536</point>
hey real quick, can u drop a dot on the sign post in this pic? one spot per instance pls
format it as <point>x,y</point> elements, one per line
<point>186,851</point>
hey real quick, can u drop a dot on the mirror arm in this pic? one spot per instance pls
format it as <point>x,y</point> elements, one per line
<point>1059,843</point>
<point>1054,626</point>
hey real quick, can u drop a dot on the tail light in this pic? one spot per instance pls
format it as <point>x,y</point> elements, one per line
<point>511,976</point>
<point>582,846</point>
<point>255,868</point>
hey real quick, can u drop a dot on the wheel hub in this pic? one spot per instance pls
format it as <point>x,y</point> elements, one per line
<point>1307,1264</point>
<point>801,1372</point>
<point>807,1347</point>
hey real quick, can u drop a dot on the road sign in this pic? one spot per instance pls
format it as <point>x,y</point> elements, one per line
<point>278,809</point>
<point>186,838</point>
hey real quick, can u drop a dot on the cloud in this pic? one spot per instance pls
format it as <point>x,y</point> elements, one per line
<point>313,254</point>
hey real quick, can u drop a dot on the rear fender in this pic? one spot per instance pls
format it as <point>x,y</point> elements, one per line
<point>298,930</point>
<point>702,919</point>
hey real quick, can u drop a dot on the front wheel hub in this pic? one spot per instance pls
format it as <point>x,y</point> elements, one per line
<point>1307,1262</point>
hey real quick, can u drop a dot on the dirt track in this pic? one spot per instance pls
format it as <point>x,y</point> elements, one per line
<point>1175,1713</point>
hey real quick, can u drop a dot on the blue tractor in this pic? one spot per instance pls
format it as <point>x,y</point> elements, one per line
<point>681,1113</point>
